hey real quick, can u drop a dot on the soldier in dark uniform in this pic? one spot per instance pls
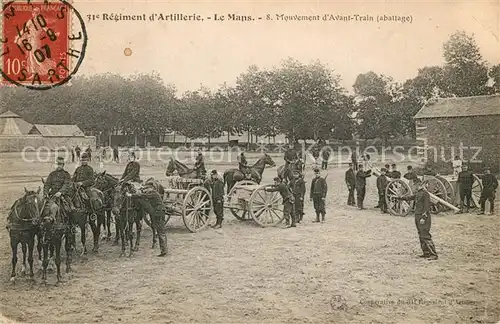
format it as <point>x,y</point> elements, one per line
<point>361,176</point>
<point>115,154</point>
<point>299,190</point>
<point>350,181</point>
<point>199,165</point>
<point>465,181</point>
<point>290,158</point>
<point>490,184</point>
<point>395,174</point>
<point>354,160</point>
<point>132,170</point>
<point>381,185</point>
<point>319,189</point>
<point>89,153</point>
<point>217,188</point>
<point>428,170</point>
<point>326,157</point>
<point>77,151</point>
<point>84,177</point>
<point>58,184</point>
<point>243,166</point>
<point>423,220</point>
<point>411,176</point>
<point>152,203</point>
<point>288,200</point>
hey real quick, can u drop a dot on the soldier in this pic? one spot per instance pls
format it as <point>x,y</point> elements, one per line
<point>361,176</point>
<point>89,153</point>
<point>72,155</point>
<point>490,184</point>
<point>381,185</point>
<point>84,177</point>
<point>395,174</point>
<point>290,158</point>
<point>299,191</point>
<point>325,157</point>
<point>411,176</point>
<point>315,154</point>
<point>152,203</point>
<point>217,188</point>
<point>457,166</point>
<point>319,188</point>
<point>58,184</point>
<point>77,151</point>
<point>465,181</point>
<point>423,220</point>
<point>350,181</point>
<point>132,170</point>
<point>288,199</point>
<point>243,166</point>
<point>115,154</point>
<point>428,171</point>
<point>199,165</point>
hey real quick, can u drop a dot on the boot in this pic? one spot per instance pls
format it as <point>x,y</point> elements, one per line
<point>218,224</point>
<point>323,217</point>
<point>163,247</point>
<point>492,207</point>
<point>317,218</point>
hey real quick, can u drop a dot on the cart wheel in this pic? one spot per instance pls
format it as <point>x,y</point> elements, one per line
<point>477,188</point>
<point>240,213</point>
<point>266,208</point>
<point>450,191</point>
<point>196,209</point>
<point>437,188</point>
<point>397,189</point>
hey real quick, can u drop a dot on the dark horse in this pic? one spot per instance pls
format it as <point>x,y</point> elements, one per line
<point>89,212</point>
<point>286,174</point>
<point>54,227</point>
<point>161,190</point>
<point>106,183</point>
<point>22,224</point>
<point>182,170</point>
<point>232,176</point>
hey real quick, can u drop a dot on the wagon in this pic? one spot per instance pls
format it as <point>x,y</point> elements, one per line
<point>249,200</point>
<point>189,199</point>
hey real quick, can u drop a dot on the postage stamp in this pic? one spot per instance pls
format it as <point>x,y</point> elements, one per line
<point>41,47</point>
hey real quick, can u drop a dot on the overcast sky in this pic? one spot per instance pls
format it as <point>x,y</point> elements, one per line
<point>188,54</point>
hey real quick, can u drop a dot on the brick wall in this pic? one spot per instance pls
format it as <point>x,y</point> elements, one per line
<point>445,136</point>
<point>34,142</point>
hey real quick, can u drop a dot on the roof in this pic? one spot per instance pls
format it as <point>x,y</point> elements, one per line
<point>12,124</point>
<point>461,107</point>
<point>9,114</point>
<point>57,130</point>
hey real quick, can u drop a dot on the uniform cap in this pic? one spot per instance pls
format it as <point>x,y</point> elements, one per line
<point>214,172</point>
<point>316,170</point>
<point>60,159</point>
<point>84,156</point>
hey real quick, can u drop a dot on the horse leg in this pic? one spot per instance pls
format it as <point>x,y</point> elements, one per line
<point>108,224</point>
<point>58,243</point>
<point>130,238</point>
<point>24,249</point>
<point>83,235</point>
<point>68,246</point>
<point>45,261</point>
<point>39,246</point>
<point>31,248</point>
<point>138,227</point>
<point>122,237</point>
<point>96,230</point>
<point>13,244</point>
<point>153,228</point>
<point>50,262</point>
<point>118,231</point>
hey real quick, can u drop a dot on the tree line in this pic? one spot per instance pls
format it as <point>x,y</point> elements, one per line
<point>302,101</point>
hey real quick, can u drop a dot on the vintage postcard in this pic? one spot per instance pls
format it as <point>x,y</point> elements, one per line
<point>249,162</point>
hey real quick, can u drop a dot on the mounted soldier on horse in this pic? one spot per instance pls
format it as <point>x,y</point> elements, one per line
<point>232,176</point>
<point>293,163</point>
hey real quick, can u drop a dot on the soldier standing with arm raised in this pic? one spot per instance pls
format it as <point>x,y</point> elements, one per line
<point>318,191</point>
<point>288,200</point>
<point>361,176</point>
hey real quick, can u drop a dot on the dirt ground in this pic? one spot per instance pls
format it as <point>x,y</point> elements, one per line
<point>360,266</point>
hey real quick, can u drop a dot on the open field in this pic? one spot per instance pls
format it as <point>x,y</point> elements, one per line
<point>360,266</point>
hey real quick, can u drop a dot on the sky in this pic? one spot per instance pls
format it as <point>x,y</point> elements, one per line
<point>188,54</point>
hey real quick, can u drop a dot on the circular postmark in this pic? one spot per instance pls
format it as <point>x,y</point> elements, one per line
<point>42,43</point>
<point>337,302</point>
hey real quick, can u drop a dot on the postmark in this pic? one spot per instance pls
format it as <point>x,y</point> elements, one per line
<point>43,43</point>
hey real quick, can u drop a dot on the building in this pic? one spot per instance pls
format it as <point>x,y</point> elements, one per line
<point>18,135</point>
<point>466,126</point>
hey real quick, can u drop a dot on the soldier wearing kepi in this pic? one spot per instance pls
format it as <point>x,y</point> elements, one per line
<point>299,191</point>
<point>243,166</point>
<point>132,170</point>
<point>350,181</point>
<point>423,220</point>
<point>361,176</point>
<point>58,184</point>
<point>152,203</point>
<point>217,186</point>
<point>490,184</point>
<point>465,181</point>
<point>84,177</point>
<point>288,199</point>
<point>381,185</point>
<point>319,189</point>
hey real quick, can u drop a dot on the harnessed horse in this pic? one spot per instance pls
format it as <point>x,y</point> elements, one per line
<point>232,176</point>
<point>182,170</point>
<point>286,173</point>
<point>23,226</point>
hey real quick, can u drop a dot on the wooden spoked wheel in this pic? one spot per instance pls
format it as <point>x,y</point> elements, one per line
<point>397,189</point>
<point>450,191</point>
<point>477,188</point>
<point>266,208</point>
<point>196,209</point>
<point>239,213</point>
<point>437,188</point>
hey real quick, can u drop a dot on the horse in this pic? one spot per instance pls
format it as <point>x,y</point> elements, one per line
<point>53,228</point>
<point>126,215</point>
<point>161,190</point>
<point>106,183</point>
<point>232,176</point>
<point>91,212</point>
<point>22,224</point>
<point>182,170</point>
<point>286,174</point>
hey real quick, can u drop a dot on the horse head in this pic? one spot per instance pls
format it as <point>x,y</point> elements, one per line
<point>121,189</point>
<point>174,165</point>
<point>268,160</point>
<point>170,167</point>
<point>27,208</point>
